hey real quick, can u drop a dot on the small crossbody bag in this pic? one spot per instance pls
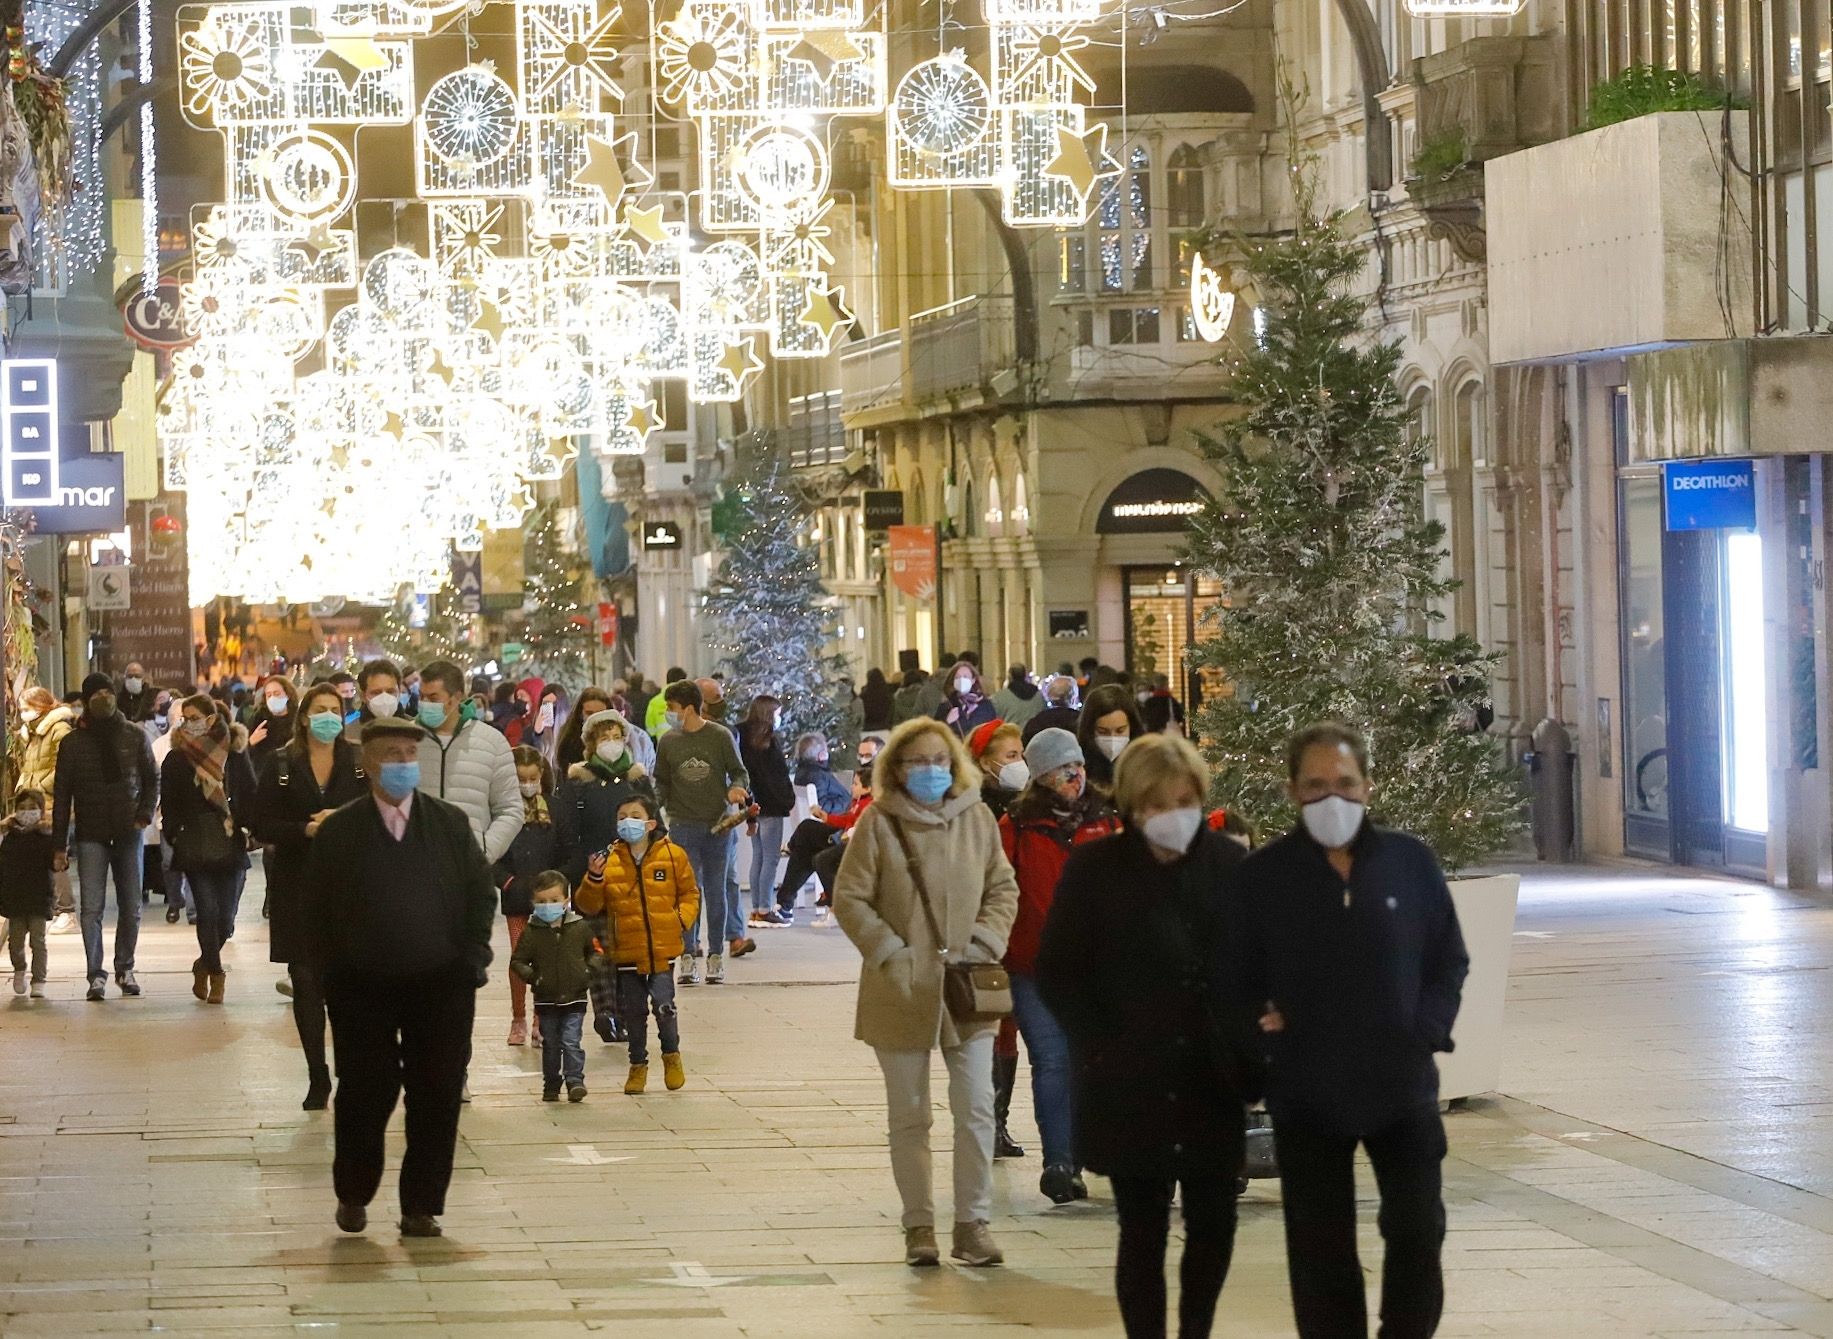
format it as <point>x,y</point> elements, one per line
<point>974,992</point>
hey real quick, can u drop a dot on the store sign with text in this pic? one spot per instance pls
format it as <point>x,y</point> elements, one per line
<point>1155,501</point>
<point>1710,494</point>
<point>913,560</point>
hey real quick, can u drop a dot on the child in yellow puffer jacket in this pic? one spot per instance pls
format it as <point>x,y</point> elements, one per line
<point>645,887</point>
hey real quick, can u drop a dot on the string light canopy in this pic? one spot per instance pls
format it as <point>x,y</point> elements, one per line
<point>379,377</point>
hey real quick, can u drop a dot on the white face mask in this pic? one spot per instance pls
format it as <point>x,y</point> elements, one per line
<point>1015,775</point>
<point>1111,745</point>
<point>28,818</point>
<point>964,683</point>
<point>29,714</point>
<point>530,789</point>
<point>277,705</point>
<point>133,683</point>
<point>383,705</point>
<point>1333,821</point>
<point>610,749</point>
<point>1174,829</point>
<point>198,726</point>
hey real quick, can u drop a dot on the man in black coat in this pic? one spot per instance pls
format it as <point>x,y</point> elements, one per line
<point>105,772</point>
<point>1352,961</point>
<point>399,906</point>
<point>136,698</point>
<point>1059,711</point>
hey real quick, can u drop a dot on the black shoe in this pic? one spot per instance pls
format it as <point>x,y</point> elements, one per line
<point>550,1094</point>
<point>172,914</point>
<point>606,1028</point>
<point>318,1094</point>
<point>352,1217</point>
<point>420,1225</point>
<point>576,1093</point>
<point>1005,1146</point>
<point>1077,1184</point>
<point>1058,1183</point>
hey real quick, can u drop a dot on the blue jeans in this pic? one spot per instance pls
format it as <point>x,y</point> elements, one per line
<point>213,894</point>
<point>766,850</point>
<point>710,857</point>
<point>94,862</point>
<point>1048,1048</point>
<point>636,993</point>
<point>560,1026</point>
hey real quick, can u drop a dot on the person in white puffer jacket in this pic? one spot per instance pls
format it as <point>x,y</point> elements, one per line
<point>466,762</point>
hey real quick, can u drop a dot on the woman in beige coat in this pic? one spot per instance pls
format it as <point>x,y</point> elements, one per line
<point>45,723</point>
<point>925,785</point>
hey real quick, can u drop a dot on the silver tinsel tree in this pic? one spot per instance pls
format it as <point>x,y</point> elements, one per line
<point>768,615</point>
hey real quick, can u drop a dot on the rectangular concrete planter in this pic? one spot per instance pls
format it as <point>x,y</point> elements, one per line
<point>1486,913</point>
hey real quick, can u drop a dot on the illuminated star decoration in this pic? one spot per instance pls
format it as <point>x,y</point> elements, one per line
<point>1083,159</point>
<point>825,311</point>
<point>1052,51</point>
<point>824,49</point>
<point>602,170</point>
<point>646,224</point>
<point>740,361</point>
<point>593,55</point>
<point>642,417</point>
<point>350,58</point>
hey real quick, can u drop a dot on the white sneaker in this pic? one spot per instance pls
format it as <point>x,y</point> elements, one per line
<point>62,923</point>
<point>464,1091</point>
<point>821,916</point>
<point>715,970</point>
<point>38,990</point>
<point>690,970</point>
<point>19,982</point>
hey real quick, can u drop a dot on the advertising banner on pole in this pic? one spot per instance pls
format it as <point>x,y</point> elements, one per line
<point>913,560</point>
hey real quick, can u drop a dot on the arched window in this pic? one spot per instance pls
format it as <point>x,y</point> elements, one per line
<point>1018,520</point>
<point>1470,444</point>
<point>1419,413</point>
<point>967,524</point>
<point>1184,205</point>
<point>918,498</point>
<point>1123,225</point>
<point>994,521</point>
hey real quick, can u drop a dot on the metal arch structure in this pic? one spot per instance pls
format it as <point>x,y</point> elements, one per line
<point>1371,63</point>
<point>106,14</point>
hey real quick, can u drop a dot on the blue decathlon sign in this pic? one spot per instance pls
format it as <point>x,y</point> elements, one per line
<point>1710,494</point>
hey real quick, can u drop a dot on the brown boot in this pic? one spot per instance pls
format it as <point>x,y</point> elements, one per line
<point>217,982</point>
<point>200,983</point>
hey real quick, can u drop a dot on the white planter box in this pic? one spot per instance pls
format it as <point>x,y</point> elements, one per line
<point>1486,913</point>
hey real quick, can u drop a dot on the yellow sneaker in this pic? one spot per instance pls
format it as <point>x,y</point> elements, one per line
<point>673,1073</point>
<point>638,1080</point>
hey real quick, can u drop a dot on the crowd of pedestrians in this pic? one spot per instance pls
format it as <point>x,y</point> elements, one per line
<point>1037,862</point>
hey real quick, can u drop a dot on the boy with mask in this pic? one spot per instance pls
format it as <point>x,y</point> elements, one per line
<point>644,885</point>
<point>1349,955</point>
<point>555,956</point>
<point>26,857</point>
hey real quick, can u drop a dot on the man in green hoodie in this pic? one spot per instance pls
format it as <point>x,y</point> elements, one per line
<point>698,774</point>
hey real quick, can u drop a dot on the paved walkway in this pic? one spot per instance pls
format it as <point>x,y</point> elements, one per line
<point>1662,1163</point>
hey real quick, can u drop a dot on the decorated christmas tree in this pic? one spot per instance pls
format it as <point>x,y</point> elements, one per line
<point>556,626</point>
<point>769,616</point>
<point>446,634</point>
<point>1331,570</point>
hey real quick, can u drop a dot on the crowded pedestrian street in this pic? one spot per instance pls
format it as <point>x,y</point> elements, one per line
<point>1655,1162</point>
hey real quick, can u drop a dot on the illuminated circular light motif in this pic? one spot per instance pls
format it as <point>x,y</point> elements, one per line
<point>469,117</point>
<point>700,57</point>
<point>309,176</point>
<point>783,170</point>
<point>943,107</point>
<point>285,321</point>
<point>1212,306</point>
<point>398,284</point>
<point>225,65</point>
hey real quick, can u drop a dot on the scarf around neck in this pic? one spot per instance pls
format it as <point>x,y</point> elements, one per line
<point>208,755</point>
<point>611,771</point>
<point>534,811</point>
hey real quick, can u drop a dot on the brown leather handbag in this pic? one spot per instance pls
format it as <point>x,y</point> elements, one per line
<point>973,992</point>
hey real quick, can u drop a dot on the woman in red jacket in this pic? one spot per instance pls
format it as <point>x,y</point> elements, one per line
<point>1056,812</point>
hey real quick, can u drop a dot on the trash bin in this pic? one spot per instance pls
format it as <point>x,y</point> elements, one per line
<point>1550,774</point>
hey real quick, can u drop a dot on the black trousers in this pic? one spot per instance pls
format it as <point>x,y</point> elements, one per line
<point>1144,1207</point>
<point>827,869</point>
<point>810,838</point>
<point>309,1014</point>
<point>1318,1181</point>
<point>391,1034</point>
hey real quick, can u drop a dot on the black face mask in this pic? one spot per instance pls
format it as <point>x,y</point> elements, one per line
<point>101,711</point>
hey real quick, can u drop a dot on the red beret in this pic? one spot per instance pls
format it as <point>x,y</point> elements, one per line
<point>981,736</point>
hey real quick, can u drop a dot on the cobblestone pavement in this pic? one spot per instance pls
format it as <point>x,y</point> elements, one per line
<point>1661,1163</point>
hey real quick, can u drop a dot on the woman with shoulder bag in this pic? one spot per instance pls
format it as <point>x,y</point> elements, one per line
<point>317,772</point>
<point>204,784</point>
<point>1132,968</point>
<point>926,895</point>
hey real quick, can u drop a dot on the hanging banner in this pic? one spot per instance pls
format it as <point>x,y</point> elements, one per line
<point>913,560</point>
<point>155,629</point>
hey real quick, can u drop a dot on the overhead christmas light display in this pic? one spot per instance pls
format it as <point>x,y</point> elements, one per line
<point>378,376</point>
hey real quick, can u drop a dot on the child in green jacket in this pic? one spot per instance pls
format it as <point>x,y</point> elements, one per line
<point>555,956</point>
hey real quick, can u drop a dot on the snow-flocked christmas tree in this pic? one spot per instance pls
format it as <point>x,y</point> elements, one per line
<point>557,628</point>
<point>1332,570</point>
<point>446,635</point>
<point>768,615</point>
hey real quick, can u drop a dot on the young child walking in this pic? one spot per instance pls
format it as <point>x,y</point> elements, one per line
<point>646,889</point>
<point>26,895</point>
<point>555,957</point>
<point>535,849</point>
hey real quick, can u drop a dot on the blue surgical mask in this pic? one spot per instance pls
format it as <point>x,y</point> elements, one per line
<point>673,718</point>
<point>929,782</point>
<point>399,779</point>
<point>632,830</point>
<point>325,725</point>
<point>549,913</point>
<point>432,714</point>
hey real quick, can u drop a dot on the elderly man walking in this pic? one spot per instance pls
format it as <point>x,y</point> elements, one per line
<point>105,774</point>
<point>399,908</point>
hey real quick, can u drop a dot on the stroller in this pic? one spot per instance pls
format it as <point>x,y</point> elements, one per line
<point>1261,1163</point>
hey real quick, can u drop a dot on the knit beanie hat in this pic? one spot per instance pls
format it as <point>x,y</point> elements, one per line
<point>95,683</point>
<point>1051,749</point>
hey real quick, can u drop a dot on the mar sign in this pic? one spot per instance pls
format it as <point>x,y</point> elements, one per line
<point>1710,494</point>
<point>67,489</point>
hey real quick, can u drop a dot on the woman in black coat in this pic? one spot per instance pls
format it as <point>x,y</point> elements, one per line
<point>760,748</point>
<point>1132,967</point>
<point>206,788</point>
<point>317,772</point>
<point>1109,722</point>
<point>875,698</point>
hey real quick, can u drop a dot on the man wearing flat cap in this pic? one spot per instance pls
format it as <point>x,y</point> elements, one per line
<point>398,916</point>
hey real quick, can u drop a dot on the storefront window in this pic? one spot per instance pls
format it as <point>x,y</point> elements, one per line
<point>1746,685</point>
<point>1645,773</point>
<point>1164,605</point>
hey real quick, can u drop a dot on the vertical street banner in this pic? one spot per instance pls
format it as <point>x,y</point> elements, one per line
<point>155,628</point>
<point>913,560</point>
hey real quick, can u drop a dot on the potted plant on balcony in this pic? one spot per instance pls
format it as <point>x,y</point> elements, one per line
<point>1642,90</point>
<point>1447,187</point>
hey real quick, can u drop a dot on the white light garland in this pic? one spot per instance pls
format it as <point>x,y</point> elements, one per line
<point>149,175</point>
